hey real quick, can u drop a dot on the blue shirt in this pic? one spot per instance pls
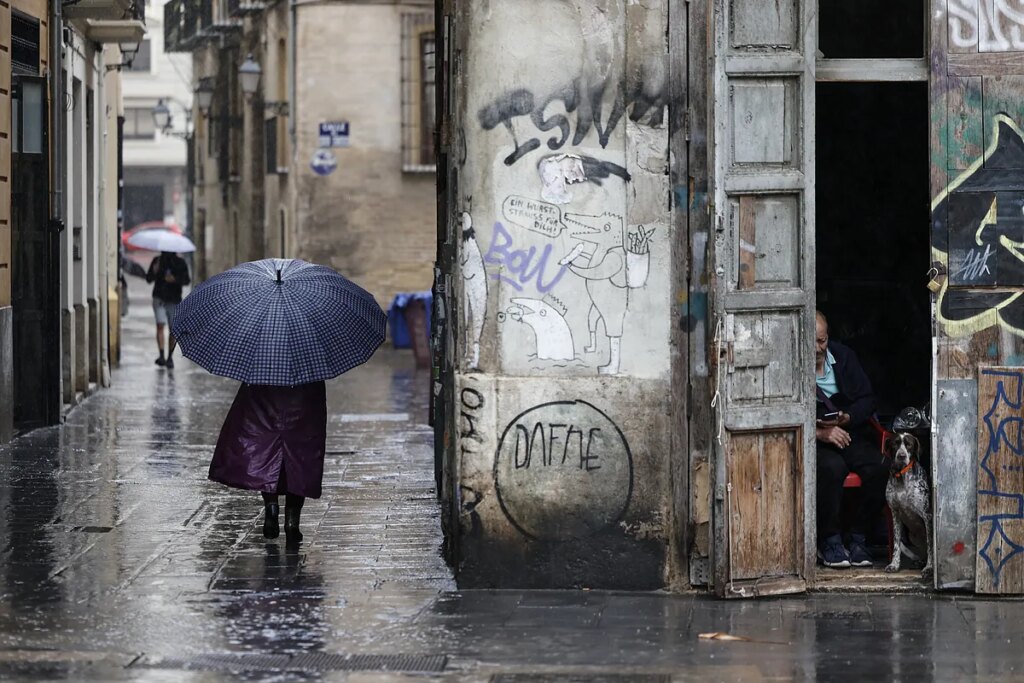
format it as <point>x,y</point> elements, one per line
<point>827,382</point>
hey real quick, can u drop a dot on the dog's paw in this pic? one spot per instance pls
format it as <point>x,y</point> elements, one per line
<point>927,572</point>
<point>892,567</point>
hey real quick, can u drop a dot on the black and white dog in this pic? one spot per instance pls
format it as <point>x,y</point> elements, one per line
<point>909,499</point>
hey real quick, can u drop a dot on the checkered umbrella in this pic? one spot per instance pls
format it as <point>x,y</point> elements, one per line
<point>280,322</point>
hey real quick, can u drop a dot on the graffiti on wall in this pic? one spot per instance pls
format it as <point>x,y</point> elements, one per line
<point>610,269</point>
<point>978,238</point>
<point>987,25</point>
<point>563,470</point>
<point>1001,507</point>
<point>567,261</point>
<point>474,291</point>
<point>574,110</point>
<point>609,259</point>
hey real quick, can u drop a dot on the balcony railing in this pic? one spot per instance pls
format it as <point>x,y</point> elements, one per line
<point>239,8</point>
<point>187,23</point>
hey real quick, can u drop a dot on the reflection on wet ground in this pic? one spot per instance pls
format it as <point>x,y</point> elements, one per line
<point>120,561</point>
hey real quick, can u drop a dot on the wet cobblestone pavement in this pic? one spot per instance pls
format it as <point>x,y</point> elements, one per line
<point>120,561</point>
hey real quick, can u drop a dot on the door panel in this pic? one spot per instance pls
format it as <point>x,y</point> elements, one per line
<point>35,261</point>
<point>977,184</point>
<point>763,294</point>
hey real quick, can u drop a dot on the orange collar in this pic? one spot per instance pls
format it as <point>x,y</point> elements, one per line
<point>904,470</point>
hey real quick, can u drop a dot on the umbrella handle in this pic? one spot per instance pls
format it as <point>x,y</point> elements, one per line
<point>279,275</point>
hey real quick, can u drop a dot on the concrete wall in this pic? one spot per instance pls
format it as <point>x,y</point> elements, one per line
<point>565,281</point>
<point>369,219</point>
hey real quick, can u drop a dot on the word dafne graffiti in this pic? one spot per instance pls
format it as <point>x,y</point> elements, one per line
<point>563,470</point>
<point>1001,480</point>
<point>978,238</point>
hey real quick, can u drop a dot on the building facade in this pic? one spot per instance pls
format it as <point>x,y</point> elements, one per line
<point>54,229</point>
<point>156,184</point>
<point>643,205</point>
<point>334,166</point>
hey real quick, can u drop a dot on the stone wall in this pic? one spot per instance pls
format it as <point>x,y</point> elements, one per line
<point>565,280</point>
<point>368,219</point>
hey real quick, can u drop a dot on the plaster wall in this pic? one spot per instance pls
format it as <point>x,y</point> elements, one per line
<point>565,271</point>
<point>368,219</point>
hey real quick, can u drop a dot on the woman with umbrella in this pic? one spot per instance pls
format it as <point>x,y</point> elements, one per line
<point>281,327</point>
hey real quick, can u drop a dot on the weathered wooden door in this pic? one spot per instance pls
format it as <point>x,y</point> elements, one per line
<point>977,182</point>
<point>762,172</point>
<point>35,271</point>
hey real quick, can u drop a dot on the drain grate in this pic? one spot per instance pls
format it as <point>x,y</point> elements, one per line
<point>834,614</point>
<point>309,661</point>
<point>581,678</point>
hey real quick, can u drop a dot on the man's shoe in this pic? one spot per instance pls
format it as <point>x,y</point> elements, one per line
<point>833,554</point>
<point>169,364</point>
<point>859,556</point>
<point>160,361</point>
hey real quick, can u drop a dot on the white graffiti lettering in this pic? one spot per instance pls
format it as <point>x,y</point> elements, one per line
<point>987,25</point>
<point>975,264</point>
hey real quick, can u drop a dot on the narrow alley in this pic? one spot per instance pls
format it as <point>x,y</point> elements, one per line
<point>120,561</point>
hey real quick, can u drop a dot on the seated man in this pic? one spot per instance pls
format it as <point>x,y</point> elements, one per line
<point>846,443</point>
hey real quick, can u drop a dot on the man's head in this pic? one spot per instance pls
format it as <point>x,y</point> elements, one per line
<point>820,336</point>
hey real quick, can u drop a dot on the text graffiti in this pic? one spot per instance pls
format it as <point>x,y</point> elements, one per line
<point>975,264</point>
<point>988,26</point>
<point>585,105</point>
<point>523,266</point>
<point>577,446</point>
<point>563,470</point>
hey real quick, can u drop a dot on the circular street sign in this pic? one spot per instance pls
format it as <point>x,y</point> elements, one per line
<point>324,162</point>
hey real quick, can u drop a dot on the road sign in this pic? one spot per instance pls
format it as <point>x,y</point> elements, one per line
<point>333,134</point>
<point>324,162</point>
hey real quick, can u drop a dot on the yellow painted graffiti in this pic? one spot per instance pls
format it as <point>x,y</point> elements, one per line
<point>991,317</point>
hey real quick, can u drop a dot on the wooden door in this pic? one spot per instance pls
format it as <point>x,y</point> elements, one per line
<point>762,176</point>
<point>35,268</point>
<point>977,182</point>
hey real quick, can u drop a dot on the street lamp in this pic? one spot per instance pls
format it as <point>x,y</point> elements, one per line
<point>162,115</point>
<point>249,73</point>
<point>129,49</point>
<point>128,52</point>
<point>164,122</point>
<point>204,95</point>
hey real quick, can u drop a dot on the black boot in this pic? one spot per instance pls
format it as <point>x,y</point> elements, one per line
<point>271,526</point>
<point>292,512</point>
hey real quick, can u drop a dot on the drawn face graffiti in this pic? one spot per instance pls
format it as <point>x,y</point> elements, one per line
<point>978,235</point>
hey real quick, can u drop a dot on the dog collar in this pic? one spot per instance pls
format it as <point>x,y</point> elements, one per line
<point>904,470</point>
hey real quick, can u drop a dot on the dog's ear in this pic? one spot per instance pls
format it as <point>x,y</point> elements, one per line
<point>915,445</point>
<point>890,446</point>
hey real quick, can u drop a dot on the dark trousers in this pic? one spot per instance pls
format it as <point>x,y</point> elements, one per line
<point>863,457</point>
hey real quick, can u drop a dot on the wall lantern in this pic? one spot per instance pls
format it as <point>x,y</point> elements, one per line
<point>204,95</point>
<point>129,50</point>
<point>162,115</point>
<point>249,73</point>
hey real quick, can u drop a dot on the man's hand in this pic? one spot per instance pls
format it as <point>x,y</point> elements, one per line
<point>837,436</point>
<point>169,278</point>
<point>844,419</point>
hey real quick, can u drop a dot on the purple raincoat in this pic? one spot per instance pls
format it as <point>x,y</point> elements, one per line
<point>273,440</point>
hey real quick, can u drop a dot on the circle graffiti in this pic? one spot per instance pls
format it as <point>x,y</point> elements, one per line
<point>563,470</point>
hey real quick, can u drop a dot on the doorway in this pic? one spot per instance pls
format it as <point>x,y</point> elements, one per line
<point>35,269</point>
<point>872,232</point>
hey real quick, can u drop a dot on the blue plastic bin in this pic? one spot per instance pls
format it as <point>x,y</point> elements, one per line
<point>396,317</point>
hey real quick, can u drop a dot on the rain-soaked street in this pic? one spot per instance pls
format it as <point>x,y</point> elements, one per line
<point>122,562</point>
